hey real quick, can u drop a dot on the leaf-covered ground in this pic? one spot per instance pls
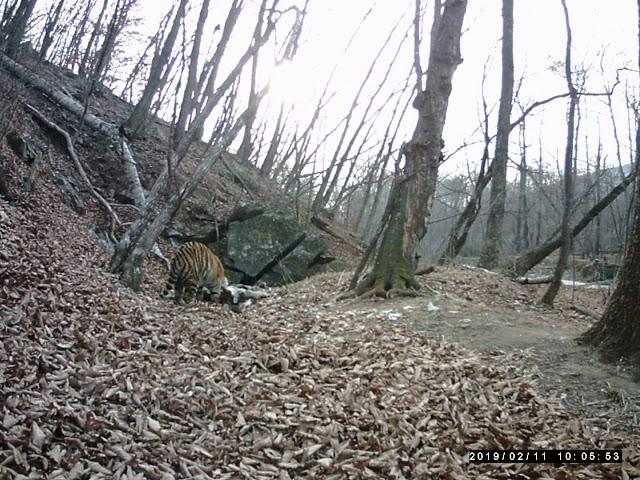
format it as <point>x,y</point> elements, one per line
<point>99,382</point>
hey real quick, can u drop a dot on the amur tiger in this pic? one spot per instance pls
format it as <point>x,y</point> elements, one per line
<point>195,271</point>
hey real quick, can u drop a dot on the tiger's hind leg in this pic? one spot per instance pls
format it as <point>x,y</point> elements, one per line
<point>189,294</point>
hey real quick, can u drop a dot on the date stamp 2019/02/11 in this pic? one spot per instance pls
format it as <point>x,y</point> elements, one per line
<point>545,456</point>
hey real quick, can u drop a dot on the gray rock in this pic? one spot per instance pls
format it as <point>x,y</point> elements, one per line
<point>266,244</point>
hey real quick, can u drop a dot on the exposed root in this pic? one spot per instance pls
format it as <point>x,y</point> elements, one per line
<point>371,287</point>
<point>404,292</point>
<point>425,271</point>
<point>76,161</point>
<point>348,295</point>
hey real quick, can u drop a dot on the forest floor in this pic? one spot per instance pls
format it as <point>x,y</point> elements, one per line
<point>100,382</point>
<point>97,381</point>
<point>489,313</point>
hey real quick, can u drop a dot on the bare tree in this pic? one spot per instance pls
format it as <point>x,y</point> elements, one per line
<point>50,26</point>
<point>167,194</point>
<point>86,61</point>
<point>332,173</point>
<point>157,76</point>
<point>409,206</point>
<point>460,230</point>
<point>13,31</point>
<point>522,223</point>
<point>566,237</point>
<point>493,238</point>
<point>616,334</point>
<point>270,157</point>
<point>71,56</point>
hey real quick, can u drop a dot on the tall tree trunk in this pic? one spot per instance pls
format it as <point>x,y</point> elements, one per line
<point>136,122</point>
<point>71,56</point>
<point>53,17</point>
<point>493,238</point>
<point>246,147</point>
<point>598,229</point>
<point>189,94</point>
<point>83,68</point>
<point>617,333</point>
<point>460,230</point>
<point>522,227</point>
<point>565,234</point>
<point>270,157</point>
<point>411,199</point>
<point>13,34</point>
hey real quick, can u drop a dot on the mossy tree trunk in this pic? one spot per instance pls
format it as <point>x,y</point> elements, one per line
<point>410,202</point>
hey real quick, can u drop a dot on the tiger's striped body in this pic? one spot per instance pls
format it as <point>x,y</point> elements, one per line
<point>195,271</point>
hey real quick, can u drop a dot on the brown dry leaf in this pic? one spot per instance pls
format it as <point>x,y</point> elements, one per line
<point>100,382</point>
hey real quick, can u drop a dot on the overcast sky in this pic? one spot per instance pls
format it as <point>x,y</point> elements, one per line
<point>604,33</point>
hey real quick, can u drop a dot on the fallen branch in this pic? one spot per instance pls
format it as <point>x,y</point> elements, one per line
<point>586,312</point>
<point>108,129</point>
<point>426,271</point>
<point>72,153</point>
<point>534,280</point>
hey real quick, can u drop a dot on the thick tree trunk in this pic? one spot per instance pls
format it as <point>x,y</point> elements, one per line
<point>412,196</point>
<point>493,238</point>
<point>617,334</point>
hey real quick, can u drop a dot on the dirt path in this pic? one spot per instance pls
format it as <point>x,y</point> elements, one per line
<point>492,315</point>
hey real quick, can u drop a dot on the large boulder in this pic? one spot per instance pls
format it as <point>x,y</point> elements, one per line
<point>265,244</point>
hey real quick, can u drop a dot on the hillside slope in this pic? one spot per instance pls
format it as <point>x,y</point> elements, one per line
<point>99,382</point>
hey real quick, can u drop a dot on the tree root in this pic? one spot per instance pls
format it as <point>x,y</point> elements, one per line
<point>370,287</point>
<point>76,161</point>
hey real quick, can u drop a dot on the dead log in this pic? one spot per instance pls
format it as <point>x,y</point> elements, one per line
<point>534,280</point>
<point>110,130</point>
<point>532,257</point>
